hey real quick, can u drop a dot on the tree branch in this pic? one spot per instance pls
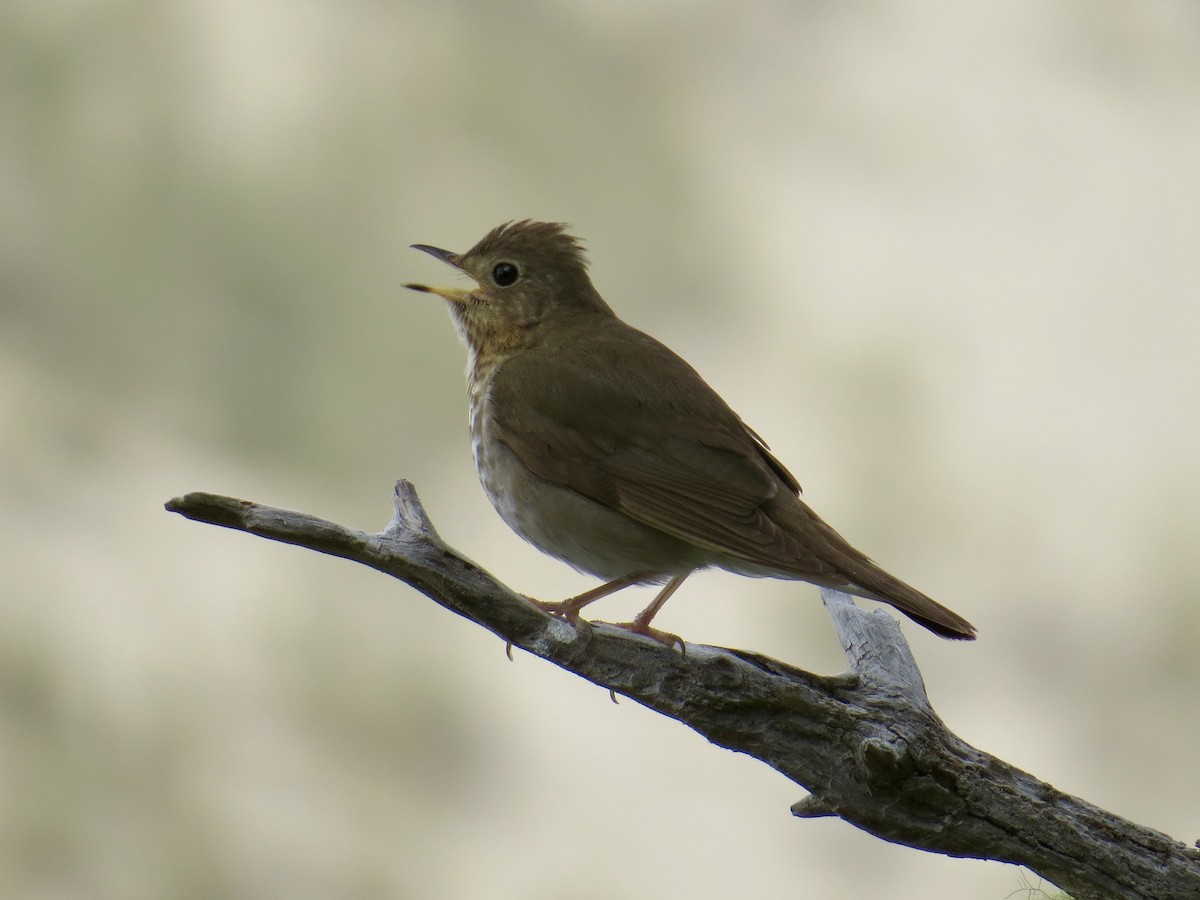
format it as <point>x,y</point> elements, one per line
<point>866,744</point>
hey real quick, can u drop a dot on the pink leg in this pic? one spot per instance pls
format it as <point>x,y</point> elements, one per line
<point>641,622</point>
<point>569,608</point>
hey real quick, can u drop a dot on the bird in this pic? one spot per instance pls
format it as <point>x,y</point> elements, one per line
<point>603,448</point>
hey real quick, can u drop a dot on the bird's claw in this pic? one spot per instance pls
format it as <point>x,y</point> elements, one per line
<point>666,638</point>
<point>565,610</point>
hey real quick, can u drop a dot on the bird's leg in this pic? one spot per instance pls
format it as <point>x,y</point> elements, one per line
<point>641,622</point>
<point>569,608</point>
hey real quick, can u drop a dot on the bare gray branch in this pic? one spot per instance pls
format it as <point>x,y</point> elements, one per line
<point>867,745</point>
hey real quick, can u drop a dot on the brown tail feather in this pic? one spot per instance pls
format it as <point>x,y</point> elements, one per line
<point>916,606</point>
<point>868,580</point>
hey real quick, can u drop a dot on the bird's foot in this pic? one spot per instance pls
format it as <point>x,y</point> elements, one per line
<point>563,609</point>
<point>567,610</point>
<point>663,637</point>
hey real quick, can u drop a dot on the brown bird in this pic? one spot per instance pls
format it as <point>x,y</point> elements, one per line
<point>603,448</point>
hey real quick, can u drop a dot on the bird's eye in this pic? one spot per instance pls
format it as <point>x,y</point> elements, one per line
<point>505,274</point>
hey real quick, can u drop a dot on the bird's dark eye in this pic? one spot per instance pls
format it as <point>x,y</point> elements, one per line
<point>505,274</point>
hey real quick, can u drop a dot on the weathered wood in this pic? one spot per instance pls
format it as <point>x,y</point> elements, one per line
<point>866,744</point>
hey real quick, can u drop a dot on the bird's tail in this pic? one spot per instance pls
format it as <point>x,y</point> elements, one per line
<point>876,584</point>
<point>865,579</point>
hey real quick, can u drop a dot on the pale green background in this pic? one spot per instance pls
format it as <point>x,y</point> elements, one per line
<point>945,257</point>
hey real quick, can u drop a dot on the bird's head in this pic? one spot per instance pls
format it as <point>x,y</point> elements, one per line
<point>528,275</point>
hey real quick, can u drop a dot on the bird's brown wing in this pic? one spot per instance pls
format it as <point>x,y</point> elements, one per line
<point>628,424</point>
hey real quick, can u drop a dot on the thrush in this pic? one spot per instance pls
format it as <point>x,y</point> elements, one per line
<point>605,449</point>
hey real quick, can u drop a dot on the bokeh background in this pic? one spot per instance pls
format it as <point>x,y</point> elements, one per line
<point>945,257</point>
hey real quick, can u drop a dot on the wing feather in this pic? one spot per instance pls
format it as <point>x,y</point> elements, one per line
<point>669,454</point>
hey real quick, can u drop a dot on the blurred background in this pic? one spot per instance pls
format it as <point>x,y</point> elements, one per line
<point>945,257</point>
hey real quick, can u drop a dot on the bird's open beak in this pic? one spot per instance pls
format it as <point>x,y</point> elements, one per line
<point>453,294</point>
